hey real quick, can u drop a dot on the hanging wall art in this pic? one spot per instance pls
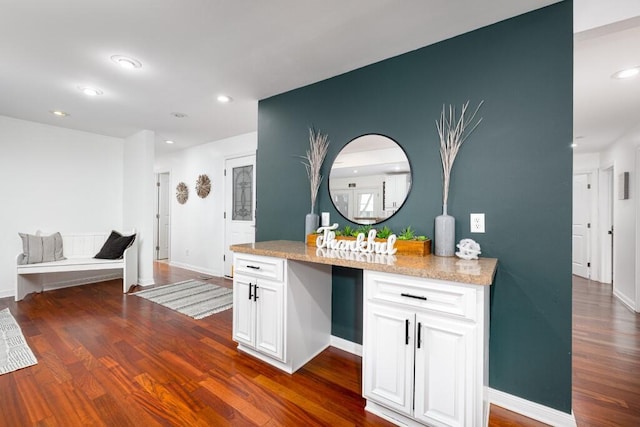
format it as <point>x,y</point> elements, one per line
<point>203,186</point>
<point>182,193</point>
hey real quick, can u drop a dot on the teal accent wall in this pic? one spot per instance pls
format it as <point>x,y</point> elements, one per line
<point>516,168</point>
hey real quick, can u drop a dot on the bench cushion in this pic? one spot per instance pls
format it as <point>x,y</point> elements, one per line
<point>115,246</point>
<point>36,249</point>
<point>72,264</point>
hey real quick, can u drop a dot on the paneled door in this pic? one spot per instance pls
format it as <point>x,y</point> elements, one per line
<point>240,205</point>
<point>580,242</point>
<point>163,216</point>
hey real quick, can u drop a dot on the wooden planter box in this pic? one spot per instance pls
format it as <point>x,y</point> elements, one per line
<point>404,247</point>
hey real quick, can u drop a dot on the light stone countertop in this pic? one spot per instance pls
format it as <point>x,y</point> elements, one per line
<point>454,269</point>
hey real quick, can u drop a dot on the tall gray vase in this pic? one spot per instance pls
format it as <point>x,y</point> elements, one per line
<point>310,224</point>
<point>445,234</point>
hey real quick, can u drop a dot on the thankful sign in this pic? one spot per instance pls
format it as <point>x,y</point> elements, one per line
<point>360,244</point>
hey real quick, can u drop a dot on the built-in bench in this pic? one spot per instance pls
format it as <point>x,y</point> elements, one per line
<point>79,250</point>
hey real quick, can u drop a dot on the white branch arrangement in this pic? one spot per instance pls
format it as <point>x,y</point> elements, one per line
<point>453,132</point>
<point>318,146</point>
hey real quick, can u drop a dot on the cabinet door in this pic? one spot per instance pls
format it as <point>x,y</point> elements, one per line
<point>445,384</point>
<point>388,357</point>
<point>243,310</point>
<point>270,318</point>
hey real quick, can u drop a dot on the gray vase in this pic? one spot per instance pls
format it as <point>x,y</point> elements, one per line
<point>445,234</point>
<point>310,224</point>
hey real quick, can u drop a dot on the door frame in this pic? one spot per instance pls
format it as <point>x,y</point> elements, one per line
<point>606,206</point>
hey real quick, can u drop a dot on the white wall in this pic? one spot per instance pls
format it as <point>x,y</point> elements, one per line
<point>197,227</point>
<point>54,179</point>
<point>139,190</point>
<point>622,155</point>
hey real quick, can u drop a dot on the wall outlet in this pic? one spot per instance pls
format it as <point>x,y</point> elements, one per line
<point>477,223</point>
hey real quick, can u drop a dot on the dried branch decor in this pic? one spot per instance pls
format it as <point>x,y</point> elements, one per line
<point>318,146</point>
<point>453,132</point>
<point>203,186</point>
<point>182,193</point>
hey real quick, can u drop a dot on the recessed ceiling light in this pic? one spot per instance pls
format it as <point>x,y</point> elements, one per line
<point>179,115</point>
<point>126,62</point>
<point>168,141</point>
<point>90,91</point>
<point>574,145</point>
<point>626,73</point>
<point>355,171</point>
<point>224,99</point>
<point>59,113</point>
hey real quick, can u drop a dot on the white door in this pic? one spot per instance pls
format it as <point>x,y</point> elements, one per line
<point>244,310</point>
<point>444,367</point>
<point>388,363</point>
<point>163,216</point>
<point>269,299</point>
<point>240,205</point>
<point>580,230</point>
<point>607,229</point>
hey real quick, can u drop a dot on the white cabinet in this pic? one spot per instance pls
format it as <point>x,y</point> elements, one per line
<point>395,190</point>
<point>388,374</point>
<point>258,314</point>
<point>424,358</point>
<point>281,309</point>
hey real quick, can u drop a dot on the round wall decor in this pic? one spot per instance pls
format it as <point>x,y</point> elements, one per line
<point>203,186</point>
<point>182,193</point>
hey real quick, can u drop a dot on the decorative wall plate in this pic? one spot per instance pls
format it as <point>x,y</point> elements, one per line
<point>203,186</point>
<point>182,193</point>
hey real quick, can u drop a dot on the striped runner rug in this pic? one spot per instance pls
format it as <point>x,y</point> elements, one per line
<point>14,350</point>
<point>192,297</point>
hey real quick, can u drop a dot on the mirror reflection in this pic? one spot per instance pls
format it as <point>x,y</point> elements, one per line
<point>370,179</point>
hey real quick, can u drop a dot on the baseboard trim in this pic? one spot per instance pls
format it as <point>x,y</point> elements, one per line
<point>625,300</point>
<point>348,346</point>
<point>531,409</point>
<point>8,293</point>
<point>196,269</point>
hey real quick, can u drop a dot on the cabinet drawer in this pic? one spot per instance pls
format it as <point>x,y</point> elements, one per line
<point>420,293</point>
<point>259,266</point>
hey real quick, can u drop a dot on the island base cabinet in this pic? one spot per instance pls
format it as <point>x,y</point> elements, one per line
<point>281,309</point>
<point>424,351</point>
<point>388,365</point>
<point>258,315</point>
<point>444,371</point>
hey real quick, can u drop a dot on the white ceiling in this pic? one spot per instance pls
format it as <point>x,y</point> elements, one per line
<point>193,50</point>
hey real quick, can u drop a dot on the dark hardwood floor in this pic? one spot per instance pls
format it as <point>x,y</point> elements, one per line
<point>108,359</point>
<point>606,357</point>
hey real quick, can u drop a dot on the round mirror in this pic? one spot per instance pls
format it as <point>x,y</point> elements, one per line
<point>370,179</point>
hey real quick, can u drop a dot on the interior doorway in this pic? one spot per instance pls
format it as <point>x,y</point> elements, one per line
<point>163,216</point>
<point>581,225</point>
<point>606,209</point>
<point>240,205</point>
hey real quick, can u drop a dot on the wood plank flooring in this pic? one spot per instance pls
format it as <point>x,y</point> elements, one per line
<point>108,359</point>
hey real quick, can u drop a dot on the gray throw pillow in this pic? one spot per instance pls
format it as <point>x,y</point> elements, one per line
<point>36,249</point>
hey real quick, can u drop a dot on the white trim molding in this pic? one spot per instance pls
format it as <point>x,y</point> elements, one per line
<point>628,302</point>
<point>348,346</point>
<point>531,409</point>
<point>196,269</point>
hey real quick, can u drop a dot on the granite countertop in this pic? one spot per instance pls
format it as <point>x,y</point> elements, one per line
<point>454,269</point>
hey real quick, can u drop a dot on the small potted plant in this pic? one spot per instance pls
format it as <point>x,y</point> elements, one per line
<point>407,242</point>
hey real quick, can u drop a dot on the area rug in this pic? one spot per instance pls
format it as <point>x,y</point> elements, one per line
<point>192,297</point>
<point>14,351</point>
